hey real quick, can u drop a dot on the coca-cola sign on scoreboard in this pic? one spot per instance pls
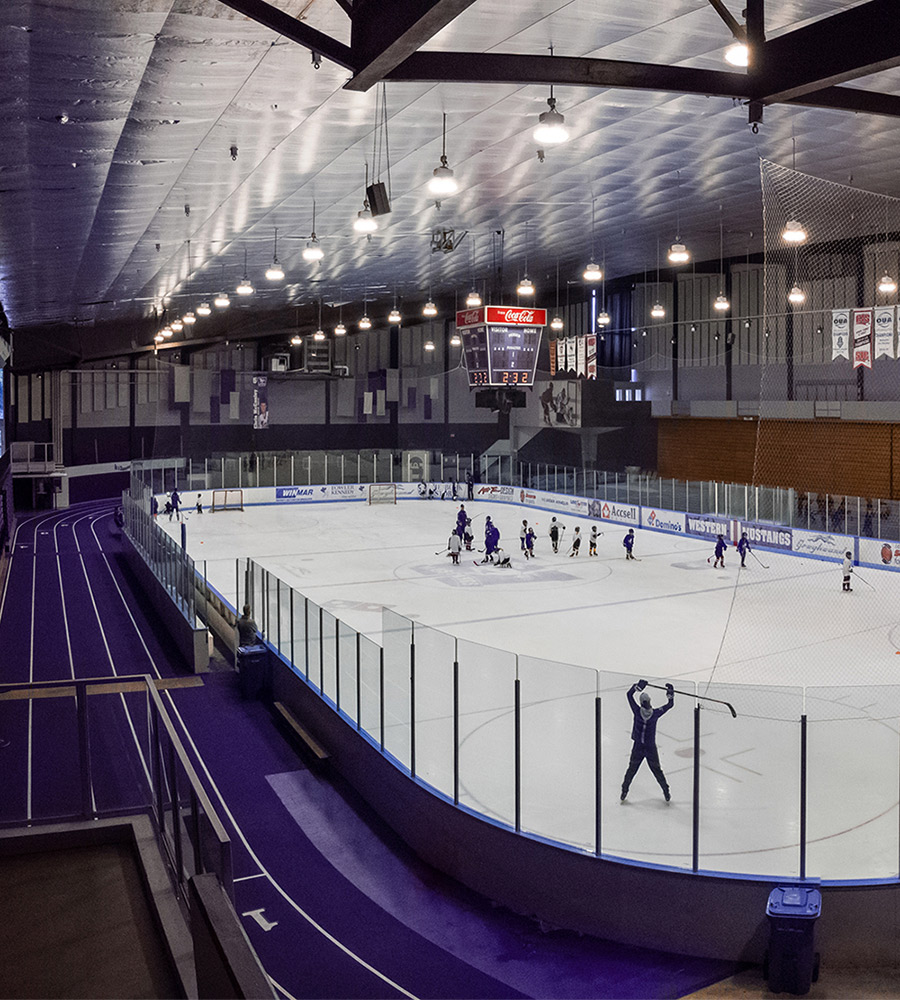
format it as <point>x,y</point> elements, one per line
<point>500,343</point>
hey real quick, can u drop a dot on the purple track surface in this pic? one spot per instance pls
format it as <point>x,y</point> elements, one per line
<point>72,609</point>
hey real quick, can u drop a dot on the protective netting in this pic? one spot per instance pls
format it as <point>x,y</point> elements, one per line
<point>822,365</point>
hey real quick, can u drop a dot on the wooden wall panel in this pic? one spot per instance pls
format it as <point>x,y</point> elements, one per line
<point>858,459</point>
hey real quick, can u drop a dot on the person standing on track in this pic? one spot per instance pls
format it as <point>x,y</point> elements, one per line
<point>628,542</point>
<point>643,735</point>
<point>743,547</point>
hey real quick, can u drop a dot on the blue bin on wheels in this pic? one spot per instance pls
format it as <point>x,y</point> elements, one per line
<point>253,668</point>
<point>792,962</point>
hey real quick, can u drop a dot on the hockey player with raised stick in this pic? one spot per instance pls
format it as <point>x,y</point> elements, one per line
<point>643,735</point>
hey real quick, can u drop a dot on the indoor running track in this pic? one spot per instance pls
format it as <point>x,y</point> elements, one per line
<point>72,610</point>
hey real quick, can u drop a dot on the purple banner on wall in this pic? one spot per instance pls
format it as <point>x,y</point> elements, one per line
<point>260,402</point>
<point>770,536</point>
<point>707,525</point>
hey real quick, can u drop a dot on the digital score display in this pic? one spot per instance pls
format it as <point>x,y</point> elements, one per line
<point>500,344</point>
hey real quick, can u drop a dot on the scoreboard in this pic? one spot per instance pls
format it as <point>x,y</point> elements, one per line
<point>500,343</point>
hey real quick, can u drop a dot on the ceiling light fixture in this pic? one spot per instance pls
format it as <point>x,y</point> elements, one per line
<point>473,299</point>
<point>365,323</point>
<point>296,340</point>
<point>678,252</point>
<point>551,129</point>
<point>592,272</point>
<point>394,317</point>
<point>166,332</point>
<point>557,322</point>
<point>721,303</point>
<point>887,284</point>
<point>364,222</point>
<point>796,296</point>
<point>221,301</point>
<point>177,325</point>
<point>526,285</point>
<point>203,309</point>
<point>189,319</point>
<point>656,310</point>
<point>340,330</point>
<point>603,317</point>
<point>158,338</point>
<point>274,272</point>
<point>319,335</point>
<point>429,309</point>
<point>793,232</point>
<point>312,252</point>
<point>455,340</point>
<point>442,181</point>
<point>429,345</point>
<point>245,288</point>
<point>738,54</point>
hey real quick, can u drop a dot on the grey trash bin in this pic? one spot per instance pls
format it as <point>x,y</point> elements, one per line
<point>792,962</point>
<point>253,667</point>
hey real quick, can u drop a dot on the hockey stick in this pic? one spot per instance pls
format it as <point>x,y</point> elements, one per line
<point>702,697</point>
<point>865,581</point>
<point>756,557</point>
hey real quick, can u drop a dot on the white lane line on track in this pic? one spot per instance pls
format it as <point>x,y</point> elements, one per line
<point>215,788</point>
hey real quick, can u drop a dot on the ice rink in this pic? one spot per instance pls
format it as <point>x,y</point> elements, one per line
<point>777,639</point>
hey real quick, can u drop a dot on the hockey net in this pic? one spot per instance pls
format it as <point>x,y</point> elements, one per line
<point>227,500</point>
<point>382,493</point>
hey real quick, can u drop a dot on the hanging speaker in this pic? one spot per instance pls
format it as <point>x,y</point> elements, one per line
<point>376,195</point>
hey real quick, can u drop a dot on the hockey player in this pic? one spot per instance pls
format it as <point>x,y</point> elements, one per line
<point>500,558</point>
<point>176,504</point>
<point>556,530</point>
<point>523,531</point>
<point>491,539</point>
<point>643,735</point>
<point>721,546</point>
<point>454,545</point>
<point>529,543</point>
<point>743,547</point>
<point>592,541</point>
<point>576,543</point>
<point>628,542</point>
<point>169,509</point>
<point>199,503</point>
<point>462,519</point>
<point>847,568</point>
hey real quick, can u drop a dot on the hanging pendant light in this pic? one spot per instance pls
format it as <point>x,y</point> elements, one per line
<point>793,232</point>
<point>657,311</point>
<point>159,338</point>
<point>603,318</point>
<point>551,128</point>
<point>365,323</point>
<point>738,54</point>
<point>887,284</point>
<point>203,309</point>
<point>312,251</point>
<point>443,182</point>
<point>365,223</point>
<point>166,332</point>
<point>473,299</point>
<point>221,301</point>
<point>721,303</point>
<point>678,252</point>
<point>429,309</point>
<point>189,319</point>
<point>340,330</point>
<point>245,288</point>
<point>394,316</point>
<point>525,287</point>
<point>296,340</point>
<point>796,296</point>
<point>557,322</point>
<point>319,335</point>
<point>177,325</point>
<point>592,273</point>
<point>455,340</point>
<point>274,272</point>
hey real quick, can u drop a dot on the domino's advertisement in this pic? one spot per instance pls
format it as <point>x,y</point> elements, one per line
<point>662,520</point>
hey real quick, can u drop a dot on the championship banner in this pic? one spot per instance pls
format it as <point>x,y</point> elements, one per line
<point>571,360</point>
<point>561,355</point>
<point>591,347</point>
<point>581,370</point>
<point>552,358</point>
<point>862,338</point>
<point>840,334</point>
<point>884,331</point>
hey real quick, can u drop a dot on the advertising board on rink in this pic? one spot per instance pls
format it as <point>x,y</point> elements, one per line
<point>767,536</point>
<point>607,510</point>
<point>707,525</point>
<point>821,544</point>
<point>486,492</point>
<point>662,520</point>
<point>877,552</point>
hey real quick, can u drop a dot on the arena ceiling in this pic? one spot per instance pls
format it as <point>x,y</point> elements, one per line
<point>151,147</point>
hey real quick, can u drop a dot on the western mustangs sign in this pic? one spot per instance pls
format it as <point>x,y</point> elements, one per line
<point>708,525</point>
<point>769,536</point>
